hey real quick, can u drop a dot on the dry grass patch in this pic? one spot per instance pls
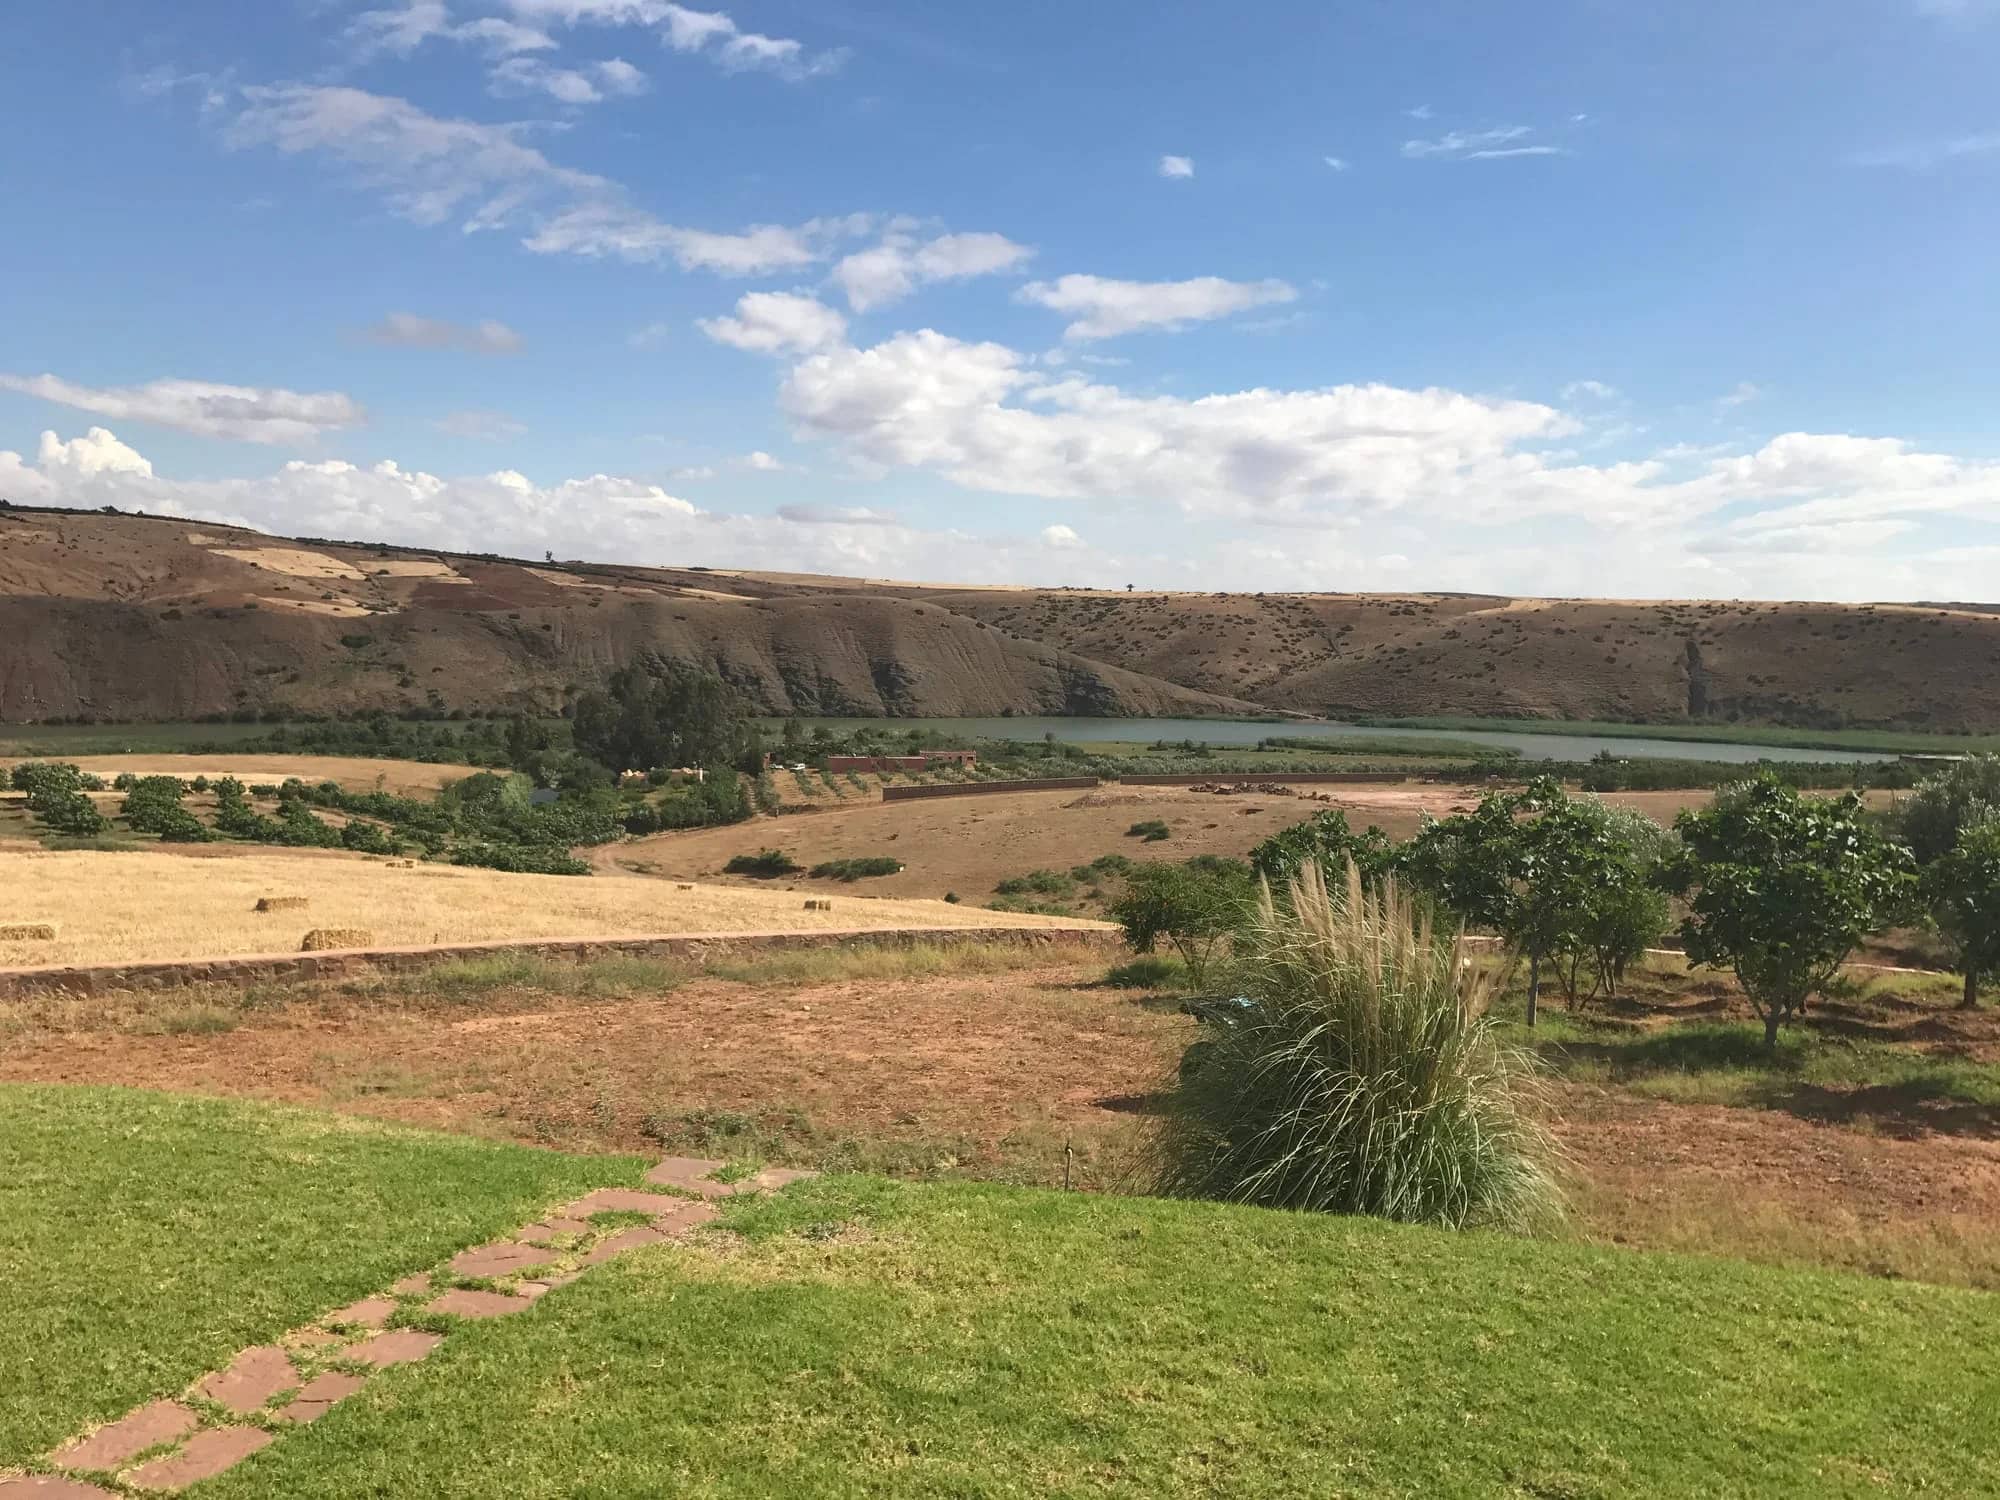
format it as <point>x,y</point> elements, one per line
<point>127,907</point>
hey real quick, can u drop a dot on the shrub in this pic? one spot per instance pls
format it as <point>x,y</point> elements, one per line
<point>179,826</point>
<point>855,869</point>
<point>369,838</point>
<point>46,778</point>
<point>68,812</point>
<point>1152,831</point>
<point>1357,1073</point>
<point>519,859</point>
<point>1197,910</point>
<point>153,802</point>
<point>1962,890</point>
<point>1036,883</point>
<point>1327,839</point>
<point>1149,971</point>
<point>766,864</point>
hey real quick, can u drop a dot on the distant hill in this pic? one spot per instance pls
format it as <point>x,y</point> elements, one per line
<point>121,616</point>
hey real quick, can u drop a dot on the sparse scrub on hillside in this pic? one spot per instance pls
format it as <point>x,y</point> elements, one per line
<point>1152,830</point>
<point>766,864</point>
<point>1036,883</point>
<point>856,868</point>
<point>1358,1073</point>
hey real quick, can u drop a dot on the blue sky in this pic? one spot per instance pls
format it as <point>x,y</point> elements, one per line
<point>1572,298</point>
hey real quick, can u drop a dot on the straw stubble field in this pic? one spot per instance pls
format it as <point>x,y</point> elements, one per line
<point>128,907</point>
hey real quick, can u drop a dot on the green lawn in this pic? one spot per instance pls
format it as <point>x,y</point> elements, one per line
<point>145,1237</point>
<point>884,1339</point>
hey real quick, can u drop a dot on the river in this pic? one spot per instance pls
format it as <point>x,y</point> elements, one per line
<point>1236,732</point>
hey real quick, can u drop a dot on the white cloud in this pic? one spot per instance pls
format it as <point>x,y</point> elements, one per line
<point>1420,112</point>
<point>432,170</point>
<point>1176,166</point>
<point>1498,143</point>
<point>652,336</point>
<point>402,330</point>
<point>480,426</point>
<point>1924,156</point>
<point>764,463</point>
<point>1743,395</point>
<point>838,515</point>
<point>891,270</point>
<point>777,323</point>
<point>592,84</point>
<point>711,34</point>
<point>401,30</point>
<point>1060,536</point>
<point>1595,390</point>
<point>1105,308</point>
<point>1338,163</point>
<point>250,414</point>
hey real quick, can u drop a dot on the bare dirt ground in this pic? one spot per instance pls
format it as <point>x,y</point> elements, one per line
<point>966,845</point>
<point>990,1074</point>
<point>115,907</point>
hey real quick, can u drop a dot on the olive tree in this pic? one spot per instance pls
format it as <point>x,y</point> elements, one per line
<point>1961,888</point>
<point>1781,887</point>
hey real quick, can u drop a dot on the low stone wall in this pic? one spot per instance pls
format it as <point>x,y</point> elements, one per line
<point>975,788</point>
<point>693,947</point>
<point>1263,778</point>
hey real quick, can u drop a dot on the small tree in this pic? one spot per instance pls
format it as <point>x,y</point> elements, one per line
<point>1944,806</point>
<point>1962,891</point>
<point>1195,908</point>
<point>1327,840</point>
<point>1781,887</point>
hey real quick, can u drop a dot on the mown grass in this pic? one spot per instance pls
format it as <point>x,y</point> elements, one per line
<point>868,1337</point>
<point>145,1237</point>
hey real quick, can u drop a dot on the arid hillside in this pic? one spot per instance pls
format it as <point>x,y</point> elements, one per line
<point>122,616</point>
<point>142,618</point>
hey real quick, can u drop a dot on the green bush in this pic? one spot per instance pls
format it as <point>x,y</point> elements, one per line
<point>766,864</point>
<point>369,838</point>
<point>179,826</point>
<point>68,812</point>
<point>1152,830</point>
<point>1358,1073</point>
<point>49,778</point>
<point>153,802</point>
<point>519,859</point>
<point>855,869</point>
<point>1149,971</point>
<point>1036,883</point>
<point>1196,908</point>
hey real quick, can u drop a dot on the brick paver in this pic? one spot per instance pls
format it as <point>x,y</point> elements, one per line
<point>258,1375</point>
<point>203,1456</point>
<point>110,1447</point>
<point>398,1348</point>
<point>50,1487</point>
<point>252,1379</point>
<point>316,1398</point>
<point>466,1303</point>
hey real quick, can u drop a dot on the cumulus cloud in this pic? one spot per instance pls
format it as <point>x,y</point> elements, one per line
<point>591,84</point>
<point>1176,166</point>
<point>1105,308</point>
<point>838,515</point>
<point>403,330</point>
<point>891,270</point>
<point>777,323</point>
<point>433,170</point>
<point>1060,536</point>
<point>764,463</point>
<point>250,414</point>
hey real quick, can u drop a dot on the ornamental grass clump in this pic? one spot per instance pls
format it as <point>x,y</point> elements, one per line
<point>1355,1070</point>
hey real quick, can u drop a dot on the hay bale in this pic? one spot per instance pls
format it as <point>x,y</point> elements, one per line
<point>279,903</point>
<point>27,932</point>
<point>684,886</point>
<point>819,906</point>
<point>320,939</point>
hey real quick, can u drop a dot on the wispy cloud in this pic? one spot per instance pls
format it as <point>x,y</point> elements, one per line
<point>706,33</point>
<point>480,426</point>
<point>1923,156</point>
<point>1176,166</point>
<point>1493,144</point>
<point>403,330</point>
<point>1420,112</point>
<point>1338,163</point>
<point>248,414</point>
<point>1105,308</point>
<point>1743,395</point>
<point>891,270</point>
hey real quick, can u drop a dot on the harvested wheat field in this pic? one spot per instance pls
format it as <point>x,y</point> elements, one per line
<point>131,907</point>
<point>354,772</point>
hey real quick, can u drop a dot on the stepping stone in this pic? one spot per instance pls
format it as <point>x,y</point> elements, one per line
<point>627,1200</point>
<point>693,1216</point>
<point>548,1229</point>
<point>498,1260</point>
<point>619,1243</point>
<point>398,1348</point>
<point>316,1399</point>
<point>542,1285</point>
<point>252,1379</point>
<point>205,1455</point>
<point>109,1447</point>
<point>470,1304</point>
<point>313,1338</point>
<point>50,1487</point>
<point>691,1174</point>
<point>369,1312</point>
<point>411,1286</point>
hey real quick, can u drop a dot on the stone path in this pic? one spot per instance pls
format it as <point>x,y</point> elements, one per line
<point>229,1414</point>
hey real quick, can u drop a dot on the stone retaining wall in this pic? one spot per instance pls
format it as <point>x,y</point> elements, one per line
<point>974,788</point>
<point>1262,778</point>
<point>694,947</point>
